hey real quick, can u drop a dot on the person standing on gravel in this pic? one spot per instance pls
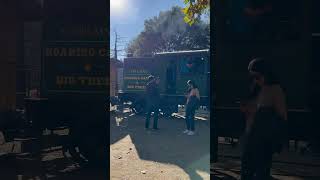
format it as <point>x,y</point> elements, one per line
<point>193,98</point>
<point>153,98</point>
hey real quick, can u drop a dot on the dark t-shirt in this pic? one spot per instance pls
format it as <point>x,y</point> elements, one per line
<point>152,93</point>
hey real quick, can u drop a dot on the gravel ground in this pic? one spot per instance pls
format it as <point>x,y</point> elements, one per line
<point>139,154</point>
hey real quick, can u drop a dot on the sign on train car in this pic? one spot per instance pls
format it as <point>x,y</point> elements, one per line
<point>61,29</point>
<point>136,74</point>
<point>74,74</point>
<point>73,68</point>
<point>75,53</point>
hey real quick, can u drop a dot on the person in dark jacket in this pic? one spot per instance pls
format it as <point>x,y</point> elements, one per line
<point>266,132</point>
<point>153,98</point>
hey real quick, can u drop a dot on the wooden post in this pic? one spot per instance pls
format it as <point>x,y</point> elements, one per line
<point>8,54</point>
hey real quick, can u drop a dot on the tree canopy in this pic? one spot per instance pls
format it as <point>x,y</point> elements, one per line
<point>194,9</point>
<point>169,32</point>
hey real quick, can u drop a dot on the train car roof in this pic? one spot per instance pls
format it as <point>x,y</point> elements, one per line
<point>183,52</point>
<point>169,53</point>
<point>138,58</point>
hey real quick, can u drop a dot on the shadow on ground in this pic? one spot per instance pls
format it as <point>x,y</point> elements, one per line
<point>228,174</point>
<point>49,166</point>
<point>167,145</point>
<point>56,169</point>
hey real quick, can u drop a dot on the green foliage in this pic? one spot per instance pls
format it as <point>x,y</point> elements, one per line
<point>169,32</point>
<point>194,9</point>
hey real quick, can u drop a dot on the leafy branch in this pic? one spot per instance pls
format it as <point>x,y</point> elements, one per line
<point>194,9</point>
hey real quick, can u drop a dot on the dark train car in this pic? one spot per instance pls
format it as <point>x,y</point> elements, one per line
<point>283,36</point>
<point>15,71</point>
<point>74,78</point>
<point>9,56</point>
<point>174,70</point>
<point>28,73</point>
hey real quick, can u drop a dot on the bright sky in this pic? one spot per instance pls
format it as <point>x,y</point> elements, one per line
<point>127,17</point>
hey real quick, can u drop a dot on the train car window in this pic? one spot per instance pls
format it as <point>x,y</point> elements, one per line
<point>194,65</point>
<point>199,65</point>
<point>183,65</point>
<point>171,71</point>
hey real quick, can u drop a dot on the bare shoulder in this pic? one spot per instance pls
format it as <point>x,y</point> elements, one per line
<point>276,87</point>
<point>277,90</point>
<point>194,89</point>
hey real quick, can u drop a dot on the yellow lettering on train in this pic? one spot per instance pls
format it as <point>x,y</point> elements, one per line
<point>84,51</point>
<point>78,51</point>
<point>91,52</point>
<point>63,52</point>
<point>49,52</point>
<point>72,52</point>
<point>103,52</point>
<point>82,80</point>
<point>65,80</point>
<point>56,52</point>
<point>75,52</point>
<point>140,71</point>
<point>59,80</point>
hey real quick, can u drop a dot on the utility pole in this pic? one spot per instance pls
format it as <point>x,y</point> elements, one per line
<point>116,44</point>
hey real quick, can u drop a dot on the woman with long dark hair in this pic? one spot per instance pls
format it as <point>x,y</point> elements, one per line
<point>193,98</point>
<point>265,134</point>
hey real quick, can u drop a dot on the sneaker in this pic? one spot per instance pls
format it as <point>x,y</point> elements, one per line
<point>185,131</point>
<point>190,133</point>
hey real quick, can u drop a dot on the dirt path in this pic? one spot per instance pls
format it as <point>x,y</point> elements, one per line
<point>165,154</point>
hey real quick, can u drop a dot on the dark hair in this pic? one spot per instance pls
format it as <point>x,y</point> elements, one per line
<point>192,83</point>
<point>263,66</point>
<point>150,78</point>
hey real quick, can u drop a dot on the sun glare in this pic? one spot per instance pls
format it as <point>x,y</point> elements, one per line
<point>117,5</point>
